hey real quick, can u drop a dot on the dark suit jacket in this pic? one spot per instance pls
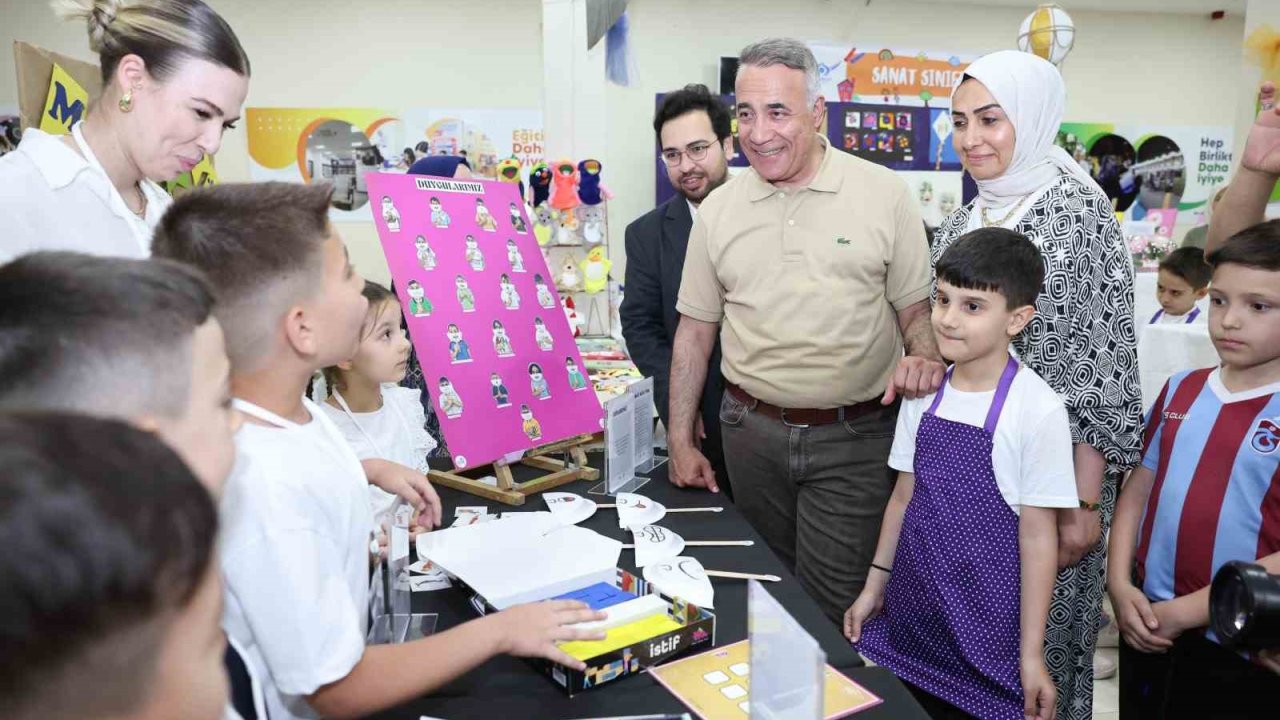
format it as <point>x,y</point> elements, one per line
<point>656,244</point>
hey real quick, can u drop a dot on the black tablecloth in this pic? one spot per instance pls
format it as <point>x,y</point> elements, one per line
<point>507,687</point>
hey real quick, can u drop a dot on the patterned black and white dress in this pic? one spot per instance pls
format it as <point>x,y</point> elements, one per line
<point>1081,341</point>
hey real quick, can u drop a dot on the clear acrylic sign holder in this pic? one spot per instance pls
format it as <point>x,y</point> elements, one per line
<point>642,416</point>
<point>787,664</point>
<point>619,448</point>
<point>392,619</point>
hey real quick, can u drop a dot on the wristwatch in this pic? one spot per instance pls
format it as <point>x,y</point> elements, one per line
<point>1091,506</point>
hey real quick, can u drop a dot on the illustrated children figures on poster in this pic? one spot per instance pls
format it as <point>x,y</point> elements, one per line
<point>517,221</point>
<point>500,394</point>
<point>545,298</point>
<point>419,305</point>
<point>576,380</point>
<point>426,256</point>
<point>466,298</point>
<point>501,343</point>
<point>450,403</point>
<point>475,258</point>
<point>390,214</point>
<point>542,335</point>
<point>510,298</point>
<point>439,217</point>
<point>514,257</point>
<point>538,383</point>
<point>484,220</point>
<point>532,428</point>
<point>459,351</point>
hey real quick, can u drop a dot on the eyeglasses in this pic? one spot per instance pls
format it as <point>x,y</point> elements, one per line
<point>696,151</point>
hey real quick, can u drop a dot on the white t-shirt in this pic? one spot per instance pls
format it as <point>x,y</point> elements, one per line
<point>1164,318</point>
<point>396,432</point>
<point>295,558</point>
<point>1032,454</point>
<point>51,198</point>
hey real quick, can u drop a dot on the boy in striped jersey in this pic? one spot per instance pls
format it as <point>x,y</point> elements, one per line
<point>1207,492</point>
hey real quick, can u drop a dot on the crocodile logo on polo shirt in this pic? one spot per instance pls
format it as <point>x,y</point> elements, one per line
<point>842,240</point>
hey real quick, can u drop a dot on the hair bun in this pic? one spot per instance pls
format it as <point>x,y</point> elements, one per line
<point>97,14</point>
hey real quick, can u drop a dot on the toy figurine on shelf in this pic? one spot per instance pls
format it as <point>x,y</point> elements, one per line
<point>566,229</point>
<point>509,172</point>
<point>595,270</point>
<point>589,182</point>
<point>571,315</point>
<point>540,184</point>
<point>569,280</point>
<point>591,218</point>
<point>543,220</point>
<point>564,190</point>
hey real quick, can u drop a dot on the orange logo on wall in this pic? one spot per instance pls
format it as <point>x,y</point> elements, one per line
<point>898,76</point>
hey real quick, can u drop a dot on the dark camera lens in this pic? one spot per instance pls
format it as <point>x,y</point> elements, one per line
<point>1245,606</point>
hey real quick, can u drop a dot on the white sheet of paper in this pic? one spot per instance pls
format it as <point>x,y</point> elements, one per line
<point>569,508</point>
<point>654,543</point>
<point>620,462</point>
<point>642,418</point>
<point>473,509</point>
<point>682,577</point>
<point>529,556</point>
<point>638,510</point>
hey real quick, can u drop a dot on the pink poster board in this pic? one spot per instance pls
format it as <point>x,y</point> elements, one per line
<point>467,268</point>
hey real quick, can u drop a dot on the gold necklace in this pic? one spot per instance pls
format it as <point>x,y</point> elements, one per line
<point>986,222</point>
<point>142,203</point>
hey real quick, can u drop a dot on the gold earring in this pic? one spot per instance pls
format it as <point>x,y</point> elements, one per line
<point>126,101</point>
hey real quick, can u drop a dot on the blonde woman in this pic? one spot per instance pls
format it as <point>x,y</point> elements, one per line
<point>174,78</point>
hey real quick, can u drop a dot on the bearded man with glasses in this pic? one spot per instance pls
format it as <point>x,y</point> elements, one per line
<point>694,130</point>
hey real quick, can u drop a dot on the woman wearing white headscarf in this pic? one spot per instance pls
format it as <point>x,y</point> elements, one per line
<point>1007,111</point>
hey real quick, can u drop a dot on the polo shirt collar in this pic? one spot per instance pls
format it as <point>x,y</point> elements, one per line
<point>828,179</point>
<point>58,163</point>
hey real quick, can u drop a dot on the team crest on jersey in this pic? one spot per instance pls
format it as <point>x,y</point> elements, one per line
<point>1266,436</point>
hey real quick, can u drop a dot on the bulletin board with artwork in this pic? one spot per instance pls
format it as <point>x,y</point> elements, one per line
<point>490,335</point>
<point>896,136</point>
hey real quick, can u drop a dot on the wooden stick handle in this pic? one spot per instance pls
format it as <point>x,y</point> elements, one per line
<point>709,543</point>
<point>742,576</point>
<point>706,509</point>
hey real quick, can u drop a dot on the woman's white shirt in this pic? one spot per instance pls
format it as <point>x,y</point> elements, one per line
<point>53,198</point>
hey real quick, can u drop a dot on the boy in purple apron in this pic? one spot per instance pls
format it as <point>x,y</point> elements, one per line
<point>958,594</point>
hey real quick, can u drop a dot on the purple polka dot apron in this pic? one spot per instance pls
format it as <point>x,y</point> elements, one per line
<point>950,619</point>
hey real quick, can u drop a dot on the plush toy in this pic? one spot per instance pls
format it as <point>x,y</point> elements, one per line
<point>540,183</point>
<point>509,172</point>
<point>564,191</point>
<point>589,182</point>
<point>595,270</point>
<point>543,218</point>
<point>566,229</point>
<point>591,218</point>
<point>571,315</point>
<point>569,280</point>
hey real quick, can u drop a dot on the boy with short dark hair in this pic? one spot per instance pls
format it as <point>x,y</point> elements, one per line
<point>296,544</point>
<point>1207,492</point>
<point>109,596</point>
<point>114,337</point>
<point>957,600</point>
<point>1182,282</point>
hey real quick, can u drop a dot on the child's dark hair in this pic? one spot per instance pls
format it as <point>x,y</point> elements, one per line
<point>1256,247</point>
<point>107,536</point>
<point>378,298</point>
<point>1188,263</point>
<point>994,260</point>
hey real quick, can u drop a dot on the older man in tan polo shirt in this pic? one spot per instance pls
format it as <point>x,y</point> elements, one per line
<point>814,268</point>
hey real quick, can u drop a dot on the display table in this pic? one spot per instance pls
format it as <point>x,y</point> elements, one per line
<point>1167,349</point>
<point>507,687</point>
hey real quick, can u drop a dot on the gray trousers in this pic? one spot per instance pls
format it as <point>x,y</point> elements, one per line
<point>815,494</point>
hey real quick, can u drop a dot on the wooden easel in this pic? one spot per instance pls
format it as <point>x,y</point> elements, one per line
<point>514,493</point>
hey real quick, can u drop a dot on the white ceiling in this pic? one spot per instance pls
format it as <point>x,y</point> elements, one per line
<point>1187,7</point>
